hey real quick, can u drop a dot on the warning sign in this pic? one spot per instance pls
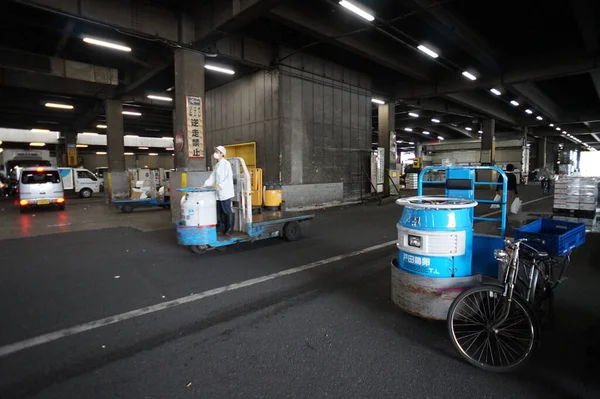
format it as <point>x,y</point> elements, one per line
<point>195,127</point>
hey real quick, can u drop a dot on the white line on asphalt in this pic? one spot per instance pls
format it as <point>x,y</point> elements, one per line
<point>46,338</point>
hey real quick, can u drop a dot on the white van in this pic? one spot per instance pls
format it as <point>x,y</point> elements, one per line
<point>79,180</point>
<point>40,186</point>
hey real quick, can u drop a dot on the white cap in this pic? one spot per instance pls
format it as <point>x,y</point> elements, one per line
<point>221,149</point>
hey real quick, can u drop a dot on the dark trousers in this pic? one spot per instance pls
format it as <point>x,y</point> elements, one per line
<point>224,215</point>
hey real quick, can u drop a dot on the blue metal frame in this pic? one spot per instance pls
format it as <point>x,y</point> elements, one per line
<point>502,203</point>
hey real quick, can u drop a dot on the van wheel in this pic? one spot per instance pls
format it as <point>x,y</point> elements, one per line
<point>127,209</point>
<point>85,193</point>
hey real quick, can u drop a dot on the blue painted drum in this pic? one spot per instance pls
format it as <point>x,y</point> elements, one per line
<point>197,235</point>
<point>198,223</point>
<point>435,236</point>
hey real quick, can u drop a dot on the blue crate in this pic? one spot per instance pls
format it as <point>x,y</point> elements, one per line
<point>559,237</point>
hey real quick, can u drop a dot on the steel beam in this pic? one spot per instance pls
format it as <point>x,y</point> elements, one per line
<point>536,97</point>
<point>487,106</point>
<point>363,47</point>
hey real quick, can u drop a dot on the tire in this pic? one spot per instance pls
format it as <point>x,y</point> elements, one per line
<point>515,339</point>
<point>198,250</point>
<point>127,208</point>
<point>85,193</point>
<point>291,231</point>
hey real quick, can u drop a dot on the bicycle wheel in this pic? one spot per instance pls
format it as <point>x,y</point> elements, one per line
<point>471,324</point>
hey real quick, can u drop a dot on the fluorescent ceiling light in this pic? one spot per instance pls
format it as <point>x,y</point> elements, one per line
<point>408,129</point>
<point>59,106</point>
<point>529,111</point>
<point>106,44</point>
<point>513,102</point>
<point>132,113</point>
<point>435,120</point>
<point>376,101</point>
<point>153,154</point>
<point>496,91</point>
<point>90,133</point>
<point>468,128</point>
<point>101,127</point>
<point>565,132</point>
<point>440,138</point>
<point>480,131</point>
<point>552,125</point>
<point>101,153</point>
<point>558,129</point>
<point>411,142</point>
<point>427,51</point>
<point>128,153</point>
<point>131,135</point>
<point>35,130</point>
<point>358,11</point>
<point>219,69</point>
<point>539,118</point>
<point>37,144</point>
<point>142,148</point>
<point>159,98</point>
<point>469,75</point>
<point>413,114</point>
<point>82,146</point>
<point>425,132</point>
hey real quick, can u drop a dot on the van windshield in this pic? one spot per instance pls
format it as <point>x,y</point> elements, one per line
<point>46,176</point>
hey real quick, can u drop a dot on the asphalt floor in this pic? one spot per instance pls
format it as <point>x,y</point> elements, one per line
<point>328,331</point>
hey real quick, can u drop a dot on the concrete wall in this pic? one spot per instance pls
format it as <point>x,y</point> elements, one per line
<point>325,123</point>
<point>247,110</point>
<point>92,161</point>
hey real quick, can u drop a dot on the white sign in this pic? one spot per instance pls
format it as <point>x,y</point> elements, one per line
<point>195,126</point>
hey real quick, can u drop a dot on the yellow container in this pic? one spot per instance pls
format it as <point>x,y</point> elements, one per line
<point>273,195</point>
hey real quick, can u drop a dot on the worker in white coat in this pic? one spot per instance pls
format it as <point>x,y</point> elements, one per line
<point>222,179</point>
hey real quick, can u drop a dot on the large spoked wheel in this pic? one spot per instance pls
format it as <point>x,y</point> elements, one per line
<point>473,326</point>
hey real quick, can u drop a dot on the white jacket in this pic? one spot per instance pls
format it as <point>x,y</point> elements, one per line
<point>222,178</point>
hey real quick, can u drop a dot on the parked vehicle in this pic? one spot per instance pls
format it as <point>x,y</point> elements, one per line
<point>40,186</point>
<point>80,180</point>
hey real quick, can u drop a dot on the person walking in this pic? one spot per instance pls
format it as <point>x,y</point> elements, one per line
<point>222,178</point>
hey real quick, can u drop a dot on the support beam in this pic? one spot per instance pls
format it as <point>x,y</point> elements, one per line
<point>536,68</point>
<point>363,47</point>
<point>487,106</point>
<point>118,185</point>
<point>536,97</point>
<point>386,126</point>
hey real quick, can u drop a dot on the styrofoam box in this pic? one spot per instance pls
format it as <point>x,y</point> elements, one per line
<point>572,206</point>
<point>587,207</point>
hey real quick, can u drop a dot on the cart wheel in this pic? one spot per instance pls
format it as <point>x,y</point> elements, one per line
<point>291,231</point>
<point>127,209</point>
<point>198,249</point>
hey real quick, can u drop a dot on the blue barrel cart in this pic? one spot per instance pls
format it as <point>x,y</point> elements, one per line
<point>438,253</point>
<point>197,228</point>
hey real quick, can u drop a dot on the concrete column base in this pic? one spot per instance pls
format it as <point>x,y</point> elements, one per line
<point>116,186</point>
<point>183,179</point>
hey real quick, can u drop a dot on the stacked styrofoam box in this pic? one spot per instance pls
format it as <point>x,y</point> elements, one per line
<point>412,180</point>
<point>576,193</point>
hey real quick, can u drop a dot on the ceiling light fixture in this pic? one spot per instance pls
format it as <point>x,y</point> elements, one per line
<point>142,148</point>
<point>469,75</point>
<point>376,101</point>
<point>413,114</point>
<point>496,91</point>
<point>468,128</point>
<point>219,69</point>
<point>435,120</point>
<point>480,131</point>
<point>101,127</point>
<point>425,132</point>
<point>106,44</point>
<point>408,129</point>
<point>539,118</point>
<point>440,138</point>
<point>552,125</point>
<point>36,130</point>
<point>153,154</point>
<point>411,142</point>
<point>428,51</point>
<point>159,98</point>
<point>515,103</point>
<point>82,146</point>
<point>90,133</point>
<point>37,144</point>
<point>529,111</point>
<point>132,113</point>
<point>358,11</point>
<point>59,106</point>
<point>101,153</point>
<point>128,153</point>
<point>558,129</point>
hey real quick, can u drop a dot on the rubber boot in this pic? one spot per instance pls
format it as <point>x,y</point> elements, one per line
<point>230,224</point>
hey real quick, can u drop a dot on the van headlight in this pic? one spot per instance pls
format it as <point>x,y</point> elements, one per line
<point>414,241</point>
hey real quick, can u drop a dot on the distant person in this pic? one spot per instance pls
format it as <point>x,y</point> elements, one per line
<point>545,178</point>
<point>222,179</point>
<point>511,186</point>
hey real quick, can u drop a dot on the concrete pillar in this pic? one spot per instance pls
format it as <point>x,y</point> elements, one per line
<point>386,125</point>
<point>542,152</point>
<point>117,186</point>
<point>188,122</point>
<point>488,151</point>
<point>419,150</point>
